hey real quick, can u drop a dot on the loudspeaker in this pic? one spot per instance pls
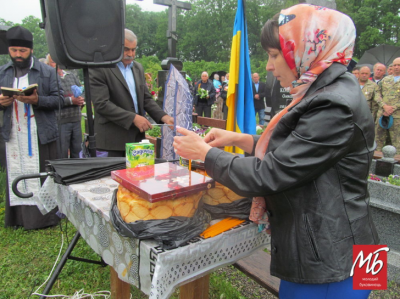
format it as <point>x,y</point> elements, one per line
<point>84,33</point>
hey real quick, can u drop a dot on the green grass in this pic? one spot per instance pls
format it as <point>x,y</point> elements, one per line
<point>220,282</point>
<point>28,256</point>
<point>3,179</point>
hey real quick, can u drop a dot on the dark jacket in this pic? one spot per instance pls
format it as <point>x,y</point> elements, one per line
<point>224,92</point>
<point>211,93</point>
<point>70,113</point>
<point>262,90</point>
<point>314,179</point>
<point>45,76</point>
<point>114,108</point>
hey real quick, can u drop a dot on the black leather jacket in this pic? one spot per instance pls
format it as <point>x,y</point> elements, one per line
<point>314,180</point>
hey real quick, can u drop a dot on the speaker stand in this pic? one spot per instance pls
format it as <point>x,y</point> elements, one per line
<point>91,138</point>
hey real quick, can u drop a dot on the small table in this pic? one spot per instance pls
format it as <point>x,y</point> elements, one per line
<point>144,263</point>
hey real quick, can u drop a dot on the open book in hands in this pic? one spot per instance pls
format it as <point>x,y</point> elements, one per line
<point>9,92</point>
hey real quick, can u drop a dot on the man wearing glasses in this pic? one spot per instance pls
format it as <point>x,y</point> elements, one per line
<point>121,99</point>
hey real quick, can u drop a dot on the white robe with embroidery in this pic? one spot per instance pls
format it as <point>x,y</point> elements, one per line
<point>17,151</point>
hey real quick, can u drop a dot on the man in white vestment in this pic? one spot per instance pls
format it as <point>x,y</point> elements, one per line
<point>29,127</point>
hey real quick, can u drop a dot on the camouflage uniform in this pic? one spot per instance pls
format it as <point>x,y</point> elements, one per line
<point>369,90</point>
<point>389,94</point>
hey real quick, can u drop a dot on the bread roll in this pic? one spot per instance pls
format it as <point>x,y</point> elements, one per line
<point>132,207</point>
<point>220,194</point>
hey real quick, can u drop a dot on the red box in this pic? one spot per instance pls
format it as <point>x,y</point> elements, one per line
<point>162,181</point>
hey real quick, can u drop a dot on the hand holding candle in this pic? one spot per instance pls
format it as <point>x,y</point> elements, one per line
<point>190,145</point>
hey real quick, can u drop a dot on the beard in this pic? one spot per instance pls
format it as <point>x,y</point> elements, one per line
<point>25,63</point>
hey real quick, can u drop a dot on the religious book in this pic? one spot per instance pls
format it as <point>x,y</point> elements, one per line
<point>9,92</point>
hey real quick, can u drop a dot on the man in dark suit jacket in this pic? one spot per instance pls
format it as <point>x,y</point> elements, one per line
<point>204,104</point>
<point>259,93</point>
<point>121,97</point>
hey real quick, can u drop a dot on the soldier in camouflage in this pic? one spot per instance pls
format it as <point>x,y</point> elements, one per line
<point>390,69</point>
<point>388,101</point>
<point>379,72</point>
<point>369,89</point>
<point>356,72</point>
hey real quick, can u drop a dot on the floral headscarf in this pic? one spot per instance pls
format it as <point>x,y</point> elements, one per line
<point>311,38</point>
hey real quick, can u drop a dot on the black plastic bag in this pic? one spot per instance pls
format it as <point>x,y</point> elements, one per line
<point>171,232</point>
<point>238,209</point>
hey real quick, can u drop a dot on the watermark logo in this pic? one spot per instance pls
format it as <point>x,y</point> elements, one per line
<point>369,269</point>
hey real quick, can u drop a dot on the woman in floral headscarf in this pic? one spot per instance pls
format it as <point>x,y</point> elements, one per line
<point>309,174</point>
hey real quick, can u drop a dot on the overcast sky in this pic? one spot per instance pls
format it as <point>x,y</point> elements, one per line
<point>16,10</point>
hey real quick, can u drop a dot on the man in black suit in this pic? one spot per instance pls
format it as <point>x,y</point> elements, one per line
<point>121,98</point>
<point>259,93</point>
<point>204,103</point>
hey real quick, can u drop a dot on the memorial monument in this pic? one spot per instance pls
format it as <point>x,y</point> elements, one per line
<point>172,41</point>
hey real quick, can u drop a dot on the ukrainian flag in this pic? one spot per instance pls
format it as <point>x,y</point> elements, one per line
<point>241,113</point>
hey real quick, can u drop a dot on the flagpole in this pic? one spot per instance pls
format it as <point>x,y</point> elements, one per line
<point>237,86</point>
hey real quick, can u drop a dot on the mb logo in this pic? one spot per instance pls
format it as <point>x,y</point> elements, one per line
<point>369,269</point>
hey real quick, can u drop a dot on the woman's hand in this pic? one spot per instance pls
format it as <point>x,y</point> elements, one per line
<point>219,138</point>
<point>190,146</point>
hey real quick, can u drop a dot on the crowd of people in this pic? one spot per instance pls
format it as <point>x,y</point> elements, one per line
<point>307,173</point>
<point>47,124</point>
<point>379,86</point>
<point>209,96</point>
<point>381,90</point>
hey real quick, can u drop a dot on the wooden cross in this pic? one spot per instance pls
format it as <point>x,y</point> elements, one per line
<point>171,32</point>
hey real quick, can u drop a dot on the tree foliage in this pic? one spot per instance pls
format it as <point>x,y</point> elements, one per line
<point>150,28</point>
<point>377,22</point>
<point>205,32</point>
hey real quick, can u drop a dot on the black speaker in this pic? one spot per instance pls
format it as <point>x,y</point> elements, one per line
<point>84,33</point>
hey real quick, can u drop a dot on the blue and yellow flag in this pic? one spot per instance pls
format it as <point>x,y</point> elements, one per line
<point>241,114</point>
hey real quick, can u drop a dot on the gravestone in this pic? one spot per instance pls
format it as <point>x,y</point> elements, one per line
<point>277,96</point>
<point>385,166</point>
<point>172,41</point>
<point>172,16</point>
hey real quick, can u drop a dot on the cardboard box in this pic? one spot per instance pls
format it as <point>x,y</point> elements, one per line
<point>139,154</point>
<point>162,181</point>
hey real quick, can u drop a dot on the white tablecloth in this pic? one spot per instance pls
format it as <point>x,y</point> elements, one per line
<point>144,263</point>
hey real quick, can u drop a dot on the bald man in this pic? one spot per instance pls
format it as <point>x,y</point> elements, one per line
<point>203,103</point>
<point>379,72</point>
<point>388,100</point>
<point>369,89</point>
